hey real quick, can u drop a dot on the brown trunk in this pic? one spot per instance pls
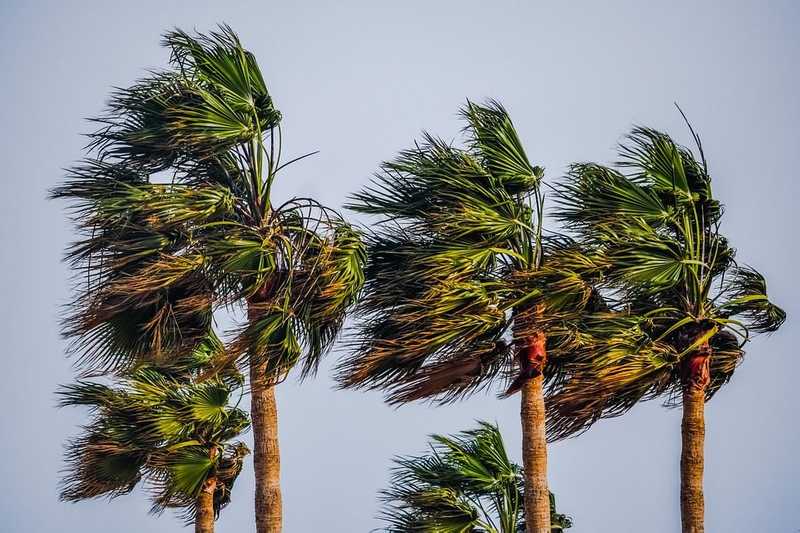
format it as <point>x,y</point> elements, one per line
<point>693,428</point>
<point>266,453</point>
<point>534,439</point>
<point>204,520</point>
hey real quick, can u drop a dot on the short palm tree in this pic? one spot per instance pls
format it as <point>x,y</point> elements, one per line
<point>178,221</point>
<point>466,483</point>
<point>173,434</point>
<point>458,262</point>
<point>681,308</point>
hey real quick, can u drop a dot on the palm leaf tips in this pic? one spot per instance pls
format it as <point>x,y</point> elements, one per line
<point>170,434</point>
<point>466,482</point>
<point>452,222</point>
<point>652,227</point>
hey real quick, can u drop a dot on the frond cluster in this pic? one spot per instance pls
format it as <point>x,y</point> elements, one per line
<point>171,434</point>
<point>651,226</point>
<point>451,222</point>
<point>465,483</point>
<point>176,220</point>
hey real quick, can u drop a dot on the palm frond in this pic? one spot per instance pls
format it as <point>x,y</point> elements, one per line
<point>595,196</point>
<point>97,466</point>
<point>745,292</point>
<point>451,222</point>
<point>163,429</point>
<point>212,100</point>
<point>667,275</point>
<point>493,136</point>
<point>465,483</point>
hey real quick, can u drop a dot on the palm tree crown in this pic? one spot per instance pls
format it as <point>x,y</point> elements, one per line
<point>675,291</point>
<point>457,265</point>
<point>160,254</point>
<point>173,434</point>
<point>177,221</point>
<point>465,484</point>
<point>458,247</point>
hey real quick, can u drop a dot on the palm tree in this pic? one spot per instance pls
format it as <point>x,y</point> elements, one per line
<point>175,435</point>
<point>456,262</point>
<point>465,484</point>
<point>177,218</point>
<point>682,309</point>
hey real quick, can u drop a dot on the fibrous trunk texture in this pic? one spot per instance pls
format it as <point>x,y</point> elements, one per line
<point>266,453</point>
<point>693,429</point>
<point>204,519</point>
<point>534,439</point>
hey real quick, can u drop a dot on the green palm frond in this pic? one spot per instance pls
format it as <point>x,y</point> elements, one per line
<point>177,477</point>
<point>129,322</point>
<point>614,367</point>
<point>667,274</point>
<point>466,483</point>
<point>110,195</point>
<point>157,256</point>
<point>329,281</point>
<point>219,59</point>
<point>453,222</point>
<point>100,467</point>
<point>493,136</point>
<point>565,285</point>
<point>594,192</point>
<point>170,432</point>
<point>668,168</point>
<point>188,468</point>
<point>452,324</point>
<point>212,100</point>
<point>745,293</point>
<point>446,194</point>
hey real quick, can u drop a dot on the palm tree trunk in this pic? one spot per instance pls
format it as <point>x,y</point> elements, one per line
<point>534,441</point>
<point>266,453</point>
<point>204,519</point>
<point>693,430</point>
<point>264,420</point>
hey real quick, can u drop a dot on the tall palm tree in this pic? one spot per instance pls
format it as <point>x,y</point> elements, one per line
<point>466,483</point>
<point>173,434</point>
<point>178,221</point>
<point>456,263</point>
<point>682,309</point>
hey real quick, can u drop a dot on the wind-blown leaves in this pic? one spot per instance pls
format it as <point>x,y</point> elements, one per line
<point>652,229</point>
<point>171,434</point>
<point>598,190</point>
<point>492,135</point>
<point>176,222</point>
<point>465,483</point>
<point>456,226</point>
<point>746,296</point>
<point>214,99</point>
<point>156,258</point>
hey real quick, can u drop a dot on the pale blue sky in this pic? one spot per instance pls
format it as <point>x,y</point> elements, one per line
<point>358,81</point>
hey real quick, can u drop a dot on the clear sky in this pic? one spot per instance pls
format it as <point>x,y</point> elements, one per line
<point>358,81</point>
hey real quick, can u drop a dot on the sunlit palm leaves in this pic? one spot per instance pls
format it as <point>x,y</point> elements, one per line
<point>170,433</point>
<point>456,225</point>
<point>176,221</point>
<point>466,483</point>
<point>652,229</point>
